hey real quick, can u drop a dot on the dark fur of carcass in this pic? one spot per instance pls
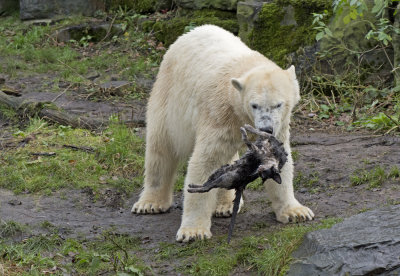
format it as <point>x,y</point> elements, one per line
<point>264,158</point>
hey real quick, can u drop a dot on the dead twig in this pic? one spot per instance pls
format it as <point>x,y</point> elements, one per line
<point>81,148</point>
<point>109,29</point>
<point>43,153</point>
<point>62,93</point>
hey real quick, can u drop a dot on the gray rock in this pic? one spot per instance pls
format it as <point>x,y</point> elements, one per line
<point>353,36</point>
<point>38,9</point>
<point>364,244</point>
<point>8,6</point>
<point>227,5</point>
<point>247,15</point>
<point>40,22</point>
<point>144,84</point>
<point>114,88</point>
<point>115,84</point>
<point>97,32</point>
<point>305,59</point>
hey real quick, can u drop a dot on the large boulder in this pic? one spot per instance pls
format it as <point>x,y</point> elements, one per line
<point>277,28</point>
<point>8,6</point>
<point>39,9</point>
<point>96,32</point>
<point>364,244</point>
<point>167,31</point>
<point>226,5</point>
<point>348,47</point>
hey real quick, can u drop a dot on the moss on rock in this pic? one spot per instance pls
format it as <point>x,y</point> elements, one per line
<point>202,4</point>
<point>278,31</point>
<point>140,6</point>
<point>169,30</point>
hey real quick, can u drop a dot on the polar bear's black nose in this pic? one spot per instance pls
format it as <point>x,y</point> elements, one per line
<point>268,129</point>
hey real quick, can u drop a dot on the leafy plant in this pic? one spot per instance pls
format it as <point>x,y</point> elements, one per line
<point>321,27</point>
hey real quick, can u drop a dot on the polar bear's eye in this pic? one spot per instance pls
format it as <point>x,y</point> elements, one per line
<point>278,105</point>
<point>254,106</point>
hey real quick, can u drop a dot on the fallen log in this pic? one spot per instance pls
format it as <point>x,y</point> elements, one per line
<point>63,118</point>
<point>10,102</point>
<point>264,158</point>
<point>50,112</point>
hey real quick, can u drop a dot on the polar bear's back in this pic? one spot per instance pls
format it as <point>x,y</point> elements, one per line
<point>212,44</point>
<point>199,59</point>
<point>193,83</point>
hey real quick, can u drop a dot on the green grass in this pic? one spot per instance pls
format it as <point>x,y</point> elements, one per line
<point>265,254</point>
<point>10,228</point>
<point>256,184</point>
<point>268,253</point>
<point>309,181</point>
<point>117,159</point>
<point>8,113</point>
<point>108,253</point>
<point>295,155</point>
<point>32,49</point>
<point>374,177</point>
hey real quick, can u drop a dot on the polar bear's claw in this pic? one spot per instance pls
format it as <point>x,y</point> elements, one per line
<point>224,210</point>
<point>295,213</point>
<point>189,234</point>
<point>147,207</point>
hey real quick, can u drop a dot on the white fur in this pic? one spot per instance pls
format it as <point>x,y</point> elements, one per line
<point>195,112</point>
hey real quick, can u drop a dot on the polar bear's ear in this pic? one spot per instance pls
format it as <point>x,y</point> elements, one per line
<point>237,84</point>
<point>292,72</point>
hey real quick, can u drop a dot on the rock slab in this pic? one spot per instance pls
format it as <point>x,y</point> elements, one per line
<point>39,9</point>
<point>364,244</point>
<point>8,6</point>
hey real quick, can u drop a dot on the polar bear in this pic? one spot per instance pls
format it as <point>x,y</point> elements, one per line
<point>209,85</point>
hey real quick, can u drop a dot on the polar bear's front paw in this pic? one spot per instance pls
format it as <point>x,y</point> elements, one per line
<point>186,234</point>
<point>294,213</point>
<point>225,209</point>
<point>149,207</point>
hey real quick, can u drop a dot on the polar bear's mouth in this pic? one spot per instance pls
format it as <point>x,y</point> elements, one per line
<point>267,129</point>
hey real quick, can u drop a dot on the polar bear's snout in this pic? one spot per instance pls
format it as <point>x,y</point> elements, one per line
<point>265,123</point>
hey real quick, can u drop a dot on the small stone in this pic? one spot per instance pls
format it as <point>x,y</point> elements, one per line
<point>114,84</point>
<point>311,115</point>
<point>303,190</point>
<point>92,76</point>
<point>14,202</point>
<point>39,22</point>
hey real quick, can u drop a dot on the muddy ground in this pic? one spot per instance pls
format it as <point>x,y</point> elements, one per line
<point>329,157</point>
<point>333,157</point>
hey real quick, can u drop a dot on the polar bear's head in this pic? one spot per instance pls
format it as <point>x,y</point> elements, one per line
<point>268,96</point>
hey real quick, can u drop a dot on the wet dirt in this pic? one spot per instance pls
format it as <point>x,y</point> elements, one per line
<point>333,157</point>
